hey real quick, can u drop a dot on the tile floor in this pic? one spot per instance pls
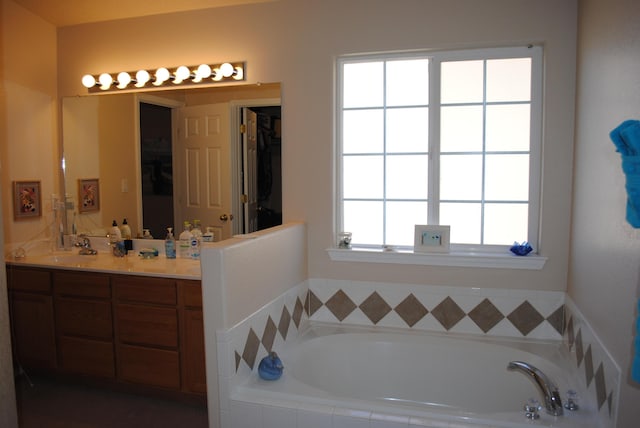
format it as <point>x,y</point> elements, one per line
<point>53,404</point>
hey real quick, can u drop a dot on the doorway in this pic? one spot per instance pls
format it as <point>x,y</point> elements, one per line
<point>156,166</point>
<point>262,167</point>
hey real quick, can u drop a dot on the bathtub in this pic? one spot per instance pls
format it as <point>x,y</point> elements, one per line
<point>364,377</point>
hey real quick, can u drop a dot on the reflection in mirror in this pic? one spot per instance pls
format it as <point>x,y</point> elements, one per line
<point>217,160</point>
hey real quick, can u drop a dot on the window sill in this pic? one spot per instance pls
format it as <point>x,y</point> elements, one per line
<point>455,258</point>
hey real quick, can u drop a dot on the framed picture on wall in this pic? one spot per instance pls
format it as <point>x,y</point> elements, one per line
<point>88,195</point>
<point>27,200</point>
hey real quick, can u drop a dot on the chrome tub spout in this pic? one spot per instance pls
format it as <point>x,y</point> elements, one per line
<point>548,390</point>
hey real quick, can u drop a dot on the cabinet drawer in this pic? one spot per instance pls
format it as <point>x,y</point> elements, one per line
<point>28,279</point>
<point>81,285</point>
<point>88,318</point>
<point>160,291</point>
<point>147,325</point>
<point>86,356</point>
<point>149,366</point>
<point>191,293</point>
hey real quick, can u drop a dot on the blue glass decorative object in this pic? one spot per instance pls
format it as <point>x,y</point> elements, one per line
<point>521,249</point>
<point>270,367</point>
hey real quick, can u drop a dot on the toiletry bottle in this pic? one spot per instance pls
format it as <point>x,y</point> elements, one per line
<point>114,233</point>
<point>170,244</point>
<point>196,239</point>
<point>184,241</point>
<point>146,234</point>
<point>125,230</point>
<point>208,235</point>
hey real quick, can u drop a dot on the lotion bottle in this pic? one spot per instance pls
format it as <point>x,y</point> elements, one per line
<point>184,242</point>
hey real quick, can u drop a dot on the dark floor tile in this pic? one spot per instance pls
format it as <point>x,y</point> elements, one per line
<point>55,404</point>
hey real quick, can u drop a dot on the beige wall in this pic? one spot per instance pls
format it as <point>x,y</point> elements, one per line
<point>28,148</point>
<point>605,256</point>
<point>296,43</point>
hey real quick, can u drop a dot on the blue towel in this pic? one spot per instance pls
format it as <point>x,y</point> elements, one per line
<point>635,364</point>
<point>626,138</point>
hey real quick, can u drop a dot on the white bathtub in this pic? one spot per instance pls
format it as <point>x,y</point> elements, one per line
<point>379,378</point>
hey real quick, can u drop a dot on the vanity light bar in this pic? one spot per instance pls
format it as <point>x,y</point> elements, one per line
<point>182,75</point>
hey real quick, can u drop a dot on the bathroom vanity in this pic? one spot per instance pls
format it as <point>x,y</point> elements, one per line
<point>129,322</point>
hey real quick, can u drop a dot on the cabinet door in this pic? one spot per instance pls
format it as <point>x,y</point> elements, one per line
<point>33,330</point>
<point>147,325</point>
<point>86,356</point>
<point>86,318</point>
<point>193,360</point>
<point>149,366</point>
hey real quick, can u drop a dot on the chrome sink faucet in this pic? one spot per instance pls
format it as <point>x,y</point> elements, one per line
<point>548,390</point>
<point>85,246</point>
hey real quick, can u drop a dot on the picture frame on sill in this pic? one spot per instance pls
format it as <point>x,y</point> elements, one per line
<point>88,195</point>
<point>431,239</point>
<point>27,200</point>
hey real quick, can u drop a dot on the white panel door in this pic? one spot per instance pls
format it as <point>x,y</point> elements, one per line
<point>202,168</point>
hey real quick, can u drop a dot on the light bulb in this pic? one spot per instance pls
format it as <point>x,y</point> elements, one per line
<point>123,79</point>
<point>239,73</point>
<point>162,75</point>
<point>88,81</point>
<point>226,69</point>
<point>105,80</point>
<point>203,72</point>
<point>142,77</point>
<point>216,75</point>
<point>182,73</point>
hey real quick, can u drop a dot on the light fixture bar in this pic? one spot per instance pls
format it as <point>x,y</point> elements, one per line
<point>182,76</point>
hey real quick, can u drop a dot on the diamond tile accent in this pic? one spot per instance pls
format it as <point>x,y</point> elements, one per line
<point>251,348</point>
<point>297,313</point>
<point>411,310</point>
<point>375,307</point>
<point>448,313</point>
<point>588,365</point>
<point>556,319</point>
<point>601,389</point>
<point>312,303</point>
<point>525,318</point>
<point>579,351</point>
<point>486,315</point>
<point>570,334</point>
<point>285,321</point>
<point>340,305</point>
<point>269,334</point>
<point>238,359</point>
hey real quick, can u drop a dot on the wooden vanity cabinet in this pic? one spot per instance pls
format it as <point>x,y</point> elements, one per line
<point>146,323</point>
<point>84,323</point>
<point>129,329</point>
<point>32,322</point>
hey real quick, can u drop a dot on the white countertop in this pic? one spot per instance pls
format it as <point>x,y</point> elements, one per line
<point>106,262</point>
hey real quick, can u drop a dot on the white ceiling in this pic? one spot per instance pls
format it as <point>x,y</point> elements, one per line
<point>63,13</point>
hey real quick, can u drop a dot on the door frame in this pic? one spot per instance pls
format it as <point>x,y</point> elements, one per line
<point>236,155</point>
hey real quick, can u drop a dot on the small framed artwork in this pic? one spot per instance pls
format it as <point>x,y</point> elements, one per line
<point>88,195</point>
<point>431,239</point>
<point>27,200</point>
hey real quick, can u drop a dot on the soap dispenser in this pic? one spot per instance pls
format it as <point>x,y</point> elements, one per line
<point>170,244</point>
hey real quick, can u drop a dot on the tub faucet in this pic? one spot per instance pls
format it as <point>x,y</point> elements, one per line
<point>548,390</point>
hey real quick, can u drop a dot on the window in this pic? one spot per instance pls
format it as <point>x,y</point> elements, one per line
<point>449,138</point>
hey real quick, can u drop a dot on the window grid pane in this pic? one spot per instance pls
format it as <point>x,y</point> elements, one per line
<point>484,143</point>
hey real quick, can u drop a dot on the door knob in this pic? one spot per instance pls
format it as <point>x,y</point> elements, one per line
<point>225,217</point>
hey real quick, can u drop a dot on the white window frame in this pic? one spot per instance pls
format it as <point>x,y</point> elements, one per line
<point>460,255</point>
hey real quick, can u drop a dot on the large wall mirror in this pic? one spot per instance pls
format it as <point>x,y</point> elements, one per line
<point>158,159</point>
